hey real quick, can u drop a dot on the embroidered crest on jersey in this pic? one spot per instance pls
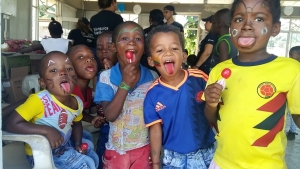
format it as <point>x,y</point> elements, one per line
<point>266,90</point>
<point>274,123</point>
<point>159,107</point>
<point>198,96</point>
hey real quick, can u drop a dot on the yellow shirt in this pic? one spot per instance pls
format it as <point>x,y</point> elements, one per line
<point>44,109</point>
<point>252,112</point>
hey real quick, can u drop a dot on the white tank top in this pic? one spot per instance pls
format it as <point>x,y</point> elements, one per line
<point>55,44</point>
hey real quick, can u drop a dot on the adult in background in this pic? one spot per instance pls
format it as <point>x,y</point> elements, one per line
<point>106,19</point>
<point>169,12</point>
<point>206,48</point>
<point>83,35</point>
<point>156,18</point>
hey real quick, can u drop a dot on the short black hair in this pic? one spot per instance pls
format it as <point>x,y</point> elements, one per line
<point>105,3</point>
<point>192,60</point>
<point>294,49</point>
<point>273,5</point>
<point>117,30</point>
<point>156,15</point>
<point>42,62</point>
<point>55,27</point>
<point>110,33</point>
<point>165,29</point>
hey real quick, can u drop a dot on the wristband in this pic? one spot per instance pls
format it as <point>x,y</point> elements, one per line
<point>124,86</point>
<point>157,163</point>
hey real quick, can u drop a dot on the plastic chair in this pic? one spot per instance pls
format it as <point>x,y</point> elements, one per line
<point>29,83</point>
<point>41,150</point>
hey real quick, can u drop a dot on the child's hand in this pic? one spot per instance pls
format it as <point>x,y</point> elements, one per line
<point>107,64</point>
<point>78,148</point>
<point>212,94</point>
<point>129,75</point>
<point>98,121</point>
<point>54,137</point>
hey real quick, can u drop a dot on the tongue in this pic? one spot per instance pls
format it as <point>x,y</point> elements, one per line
<point>245,42</point>
<point>90,69</point>
<point>169,67</point>
<point>66,87</point>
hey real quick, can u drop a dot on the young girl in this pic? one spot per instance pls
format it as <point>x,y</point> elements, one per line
<point>56,115</point>
<point>121,91</point>
<point>55,43</point>
<point>247,95</point>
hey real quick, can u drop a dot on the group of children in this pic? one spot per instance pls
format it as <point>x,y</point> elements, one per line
<point>244,96</point>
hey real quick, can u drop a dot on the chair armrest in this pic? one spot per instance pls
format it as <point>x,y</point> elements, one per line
<point>41,149</point>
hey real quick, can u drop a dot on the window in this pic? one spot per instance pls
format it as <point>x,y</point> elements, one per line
<point>288,37</point>
<point>191,31</point>
<point>130,17</point>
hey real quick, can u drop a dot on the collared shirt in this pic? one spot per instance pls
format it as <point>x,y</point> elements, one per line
<point>128,131</point>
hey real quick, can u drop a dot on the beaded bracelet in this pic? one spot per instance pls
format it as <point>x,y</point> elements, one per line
<point>124,86</point>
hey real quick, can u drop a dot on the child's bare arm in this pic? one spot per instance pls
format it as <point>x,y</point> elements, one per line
<point>155,144</point>
<point>212,95</point>
<point>16,124</point>
<point>32,48</point>
<point>77,135</point>
<point>223,51</point>
<point>7,111</point>
<point>296,119</point>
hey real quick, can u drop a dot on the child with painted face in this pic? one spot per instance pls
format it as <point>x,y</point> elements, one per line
<point>121,91</point>
<point>56,114</point>
<point>250,105</point>
<point>107,55</point>
<point>173,108</point>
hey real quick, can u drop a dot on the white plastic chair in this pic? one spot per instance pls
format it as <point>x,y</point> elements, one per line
<point>41,149</point>
<point>30,82</point>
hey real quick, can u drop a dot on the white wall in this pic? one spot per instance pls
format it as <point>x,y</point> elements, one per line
<point>20,27</point>
<point>68,11</point>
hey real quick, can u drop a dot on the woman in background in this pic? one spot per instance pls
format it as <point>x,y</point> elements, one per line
<point>55,43</point>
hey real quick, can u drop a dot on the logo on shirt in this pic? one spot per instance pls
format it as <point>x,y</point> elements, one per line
<point>198,96</point>
<point>266,90</point>
<point>62,119</point>
<point>159,106</point>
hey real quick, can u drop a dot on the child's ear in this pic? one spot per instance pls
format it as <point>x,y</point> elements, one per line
<point>42,83</point>
<point>150,61</point>
<point>276,28</point>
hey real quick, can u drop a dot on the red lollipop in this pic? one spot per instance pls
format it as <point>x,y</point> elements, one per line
<point>84,146</point>
<point>226,73</point>
<point>129,56</point>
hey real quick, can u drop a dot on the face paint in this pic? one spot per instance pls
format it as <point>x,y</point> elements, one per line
<point>67,60</point>
<point>250,9</point>
<point>156,63</point>
<point>264,31</point>
<point>50,61</point>
<point>125,30</point>
<point>234,32</point>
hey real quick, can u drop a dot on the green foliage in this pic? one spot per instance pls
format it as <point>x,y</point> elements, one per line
<point>191,35</point>
<point>44,11</point>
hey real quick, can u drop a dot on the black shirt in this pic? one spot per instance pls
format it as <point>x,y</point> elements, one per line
<point>209,39</point>
<point>147,30</point>
<point>105,20</point>
<point>178,25</point>
<point>80,38</point>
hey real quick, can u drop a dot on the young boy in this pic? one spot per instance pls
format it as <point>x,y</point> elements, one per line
<point>56,114</point>
<point>247,95</point>
<point>294,54</point>
<point>85,67</point>
<point>108,58</point>
<point>121,91</point>
<point>173,108</point>
<point>224,48</point>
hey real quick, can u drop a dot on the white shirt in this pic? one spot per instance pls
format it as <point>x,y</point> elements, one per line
<point>55,44</point>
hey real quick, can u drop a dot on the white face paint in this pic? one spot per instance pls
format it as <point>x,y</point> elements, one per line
<point>50,61</point>
<point>264,31</point>
<point>67,60</point>
<point>234,32</point>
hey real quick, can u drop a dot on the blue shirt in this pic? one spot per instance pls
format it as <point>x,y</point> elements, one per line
<point>181,112</point>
